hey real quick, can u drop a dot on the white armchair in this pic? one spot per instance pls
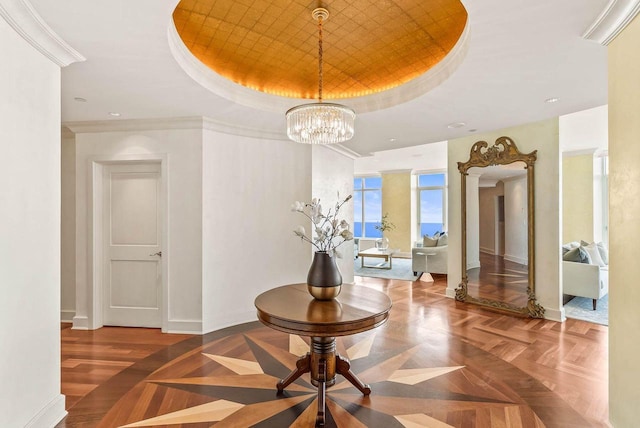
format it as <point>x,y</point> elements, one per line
<point>585,280</point>
<point>429,259</point>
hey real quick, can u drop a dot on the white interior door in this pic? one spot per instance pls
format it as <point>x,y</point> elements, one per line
<point>133,253</point>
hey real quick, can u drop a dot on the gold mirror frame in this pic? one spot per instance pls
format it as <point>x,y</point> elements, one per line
<point>503,152</point>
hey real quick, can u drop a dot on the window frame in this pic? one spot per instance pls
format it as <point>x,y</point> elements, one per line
<point>362,190</point>
<point>419,189</point>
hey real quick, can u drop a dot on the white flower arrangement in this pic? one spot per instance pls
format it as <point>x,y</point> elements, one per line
<point>330,233</point>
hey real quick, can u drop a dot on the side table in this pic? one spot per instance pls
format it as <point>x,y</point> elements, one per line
<point>291,309</point>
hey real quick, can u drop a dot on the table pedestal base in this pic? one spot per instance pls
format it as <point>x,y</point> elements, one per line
<point>323,363</point>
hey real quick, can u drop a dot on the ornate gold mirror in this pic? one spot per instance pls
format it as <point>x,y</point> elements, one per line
<point>498,245</point>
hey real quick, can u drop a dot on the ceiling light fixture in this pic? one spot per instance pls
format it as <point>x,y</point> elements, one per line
<point>114,114</point>
<point>551,100</point>
<point>320,123</point>
<point>455,125</point>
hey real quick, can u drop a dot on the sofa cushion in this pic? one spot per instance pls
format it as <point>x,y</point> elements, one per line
<point>594,254</point>
<point>429,242</point>
<point>443,240</point>
<point>604,252</point>
<point>578,255</point>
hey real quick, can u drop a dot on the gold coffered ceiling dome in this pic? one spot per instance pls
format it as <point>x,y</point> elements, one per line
<point>272,45</point>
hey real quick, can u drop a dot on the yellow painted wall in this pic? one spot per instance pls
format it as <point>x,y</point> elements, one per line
<point>396,200</point>
<point>624,230</point>
<point>577,198</point>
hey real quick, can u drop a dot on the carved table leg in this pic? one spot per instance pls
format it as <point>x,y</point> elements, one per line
<point>344,368</point>
<point>302,367</point>
<point>322,378</point>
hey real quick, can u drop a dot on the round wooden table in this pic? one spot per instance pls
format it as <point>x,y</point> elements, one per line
<point>293,310</point>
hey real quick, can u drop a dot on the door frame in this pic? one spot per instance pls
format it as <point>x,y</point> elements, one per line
<point>96,235</point>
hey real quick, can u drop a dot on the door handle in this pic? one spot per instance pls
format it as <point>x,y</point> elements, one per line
<point>159,253</point>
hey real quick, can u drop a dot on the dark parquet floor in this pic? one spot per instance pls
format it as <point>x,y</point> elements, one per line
<point>435,363</point>
<point>499,279</point>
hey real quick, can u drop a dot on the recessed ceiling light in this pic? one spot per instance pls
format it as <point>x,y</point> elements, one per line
<point>551,100</point>
<point>456,125</point>
<point>114,114</point>
<point>392,139</point>
<point>80,99</point>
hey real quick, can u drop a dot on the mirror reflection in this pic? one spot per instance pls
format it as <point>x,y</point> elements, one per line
<point>498,248</point>
<point>497,253</point>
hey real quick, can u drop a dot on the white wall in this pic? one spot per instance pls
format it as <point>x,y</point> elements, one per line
<point>30,244</point>
<point>488,216</point>
<point>68,229</point>
<point>183,247</point>
<point>333,173</point>
<point>473,220</point>
<point>516,223</point>
<point>584,130</point>
<point>248,243</point>
<point>230,224</point>
<point>541,136</point>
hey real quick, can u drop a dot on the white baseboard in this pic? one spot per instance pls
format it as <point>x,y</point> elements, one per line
<point>80,323</point>
<point>231,320</point>
<point>555,314</point>
<point>67,315</point>
<point>516,259</point>
<point>184,327</point>
<point>50,415</point>
<point>451,293</point>
<point>487,251</point>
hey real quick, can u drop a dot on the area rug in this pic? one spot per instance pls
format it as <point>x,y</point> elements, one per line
<point>401,269</point>
<point>582,308</point>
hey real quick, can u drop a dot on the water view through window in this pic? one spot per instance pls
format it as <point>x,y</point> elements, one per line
<point>367,206</point>
<point>432,197</point>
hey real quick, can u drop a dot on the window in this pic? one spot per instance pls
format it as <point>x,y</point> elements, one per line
<point>432,203</point>
<point>367,206</point>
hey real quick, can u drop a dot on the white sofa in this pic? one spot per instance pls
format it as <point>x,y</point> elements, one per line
<point>585,280</point>
<point>429,259</point>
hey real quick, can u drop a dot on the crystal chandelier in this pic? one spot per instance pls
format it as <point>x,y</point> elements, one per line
<point>320,123</point>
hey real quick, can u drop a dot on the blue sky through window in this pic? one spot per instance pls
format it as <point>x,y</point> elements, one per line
<point>367,203</point>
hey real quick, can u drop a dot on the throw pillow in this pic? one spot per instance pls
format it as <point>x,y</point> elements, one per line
<point>429,242</point>
<point>443,240</point>
<point>578,255</point>
<point>594,254</point>
<point>604,253</point>
<point>568,246</point>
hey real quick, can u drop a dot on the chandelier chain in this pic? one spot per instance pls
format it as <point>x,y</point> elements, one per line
<point>320,58</point>
<point>320,123</point>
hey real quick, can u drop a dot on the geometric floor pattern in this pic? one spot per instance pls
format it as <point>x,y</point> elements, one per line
<point>434,363</point>
<point>230,382</point>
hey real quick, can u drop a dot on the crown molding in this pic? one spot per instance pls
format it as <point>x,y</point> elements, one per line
<point>580,152</point>
<point>24,19</point>
<point>397,171</point>
<point>242,131</point>
<point>66,132</point>
<point>193,122</point>
<point>125,125</point>
<point>345,151</point>
<point>616,15</point>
